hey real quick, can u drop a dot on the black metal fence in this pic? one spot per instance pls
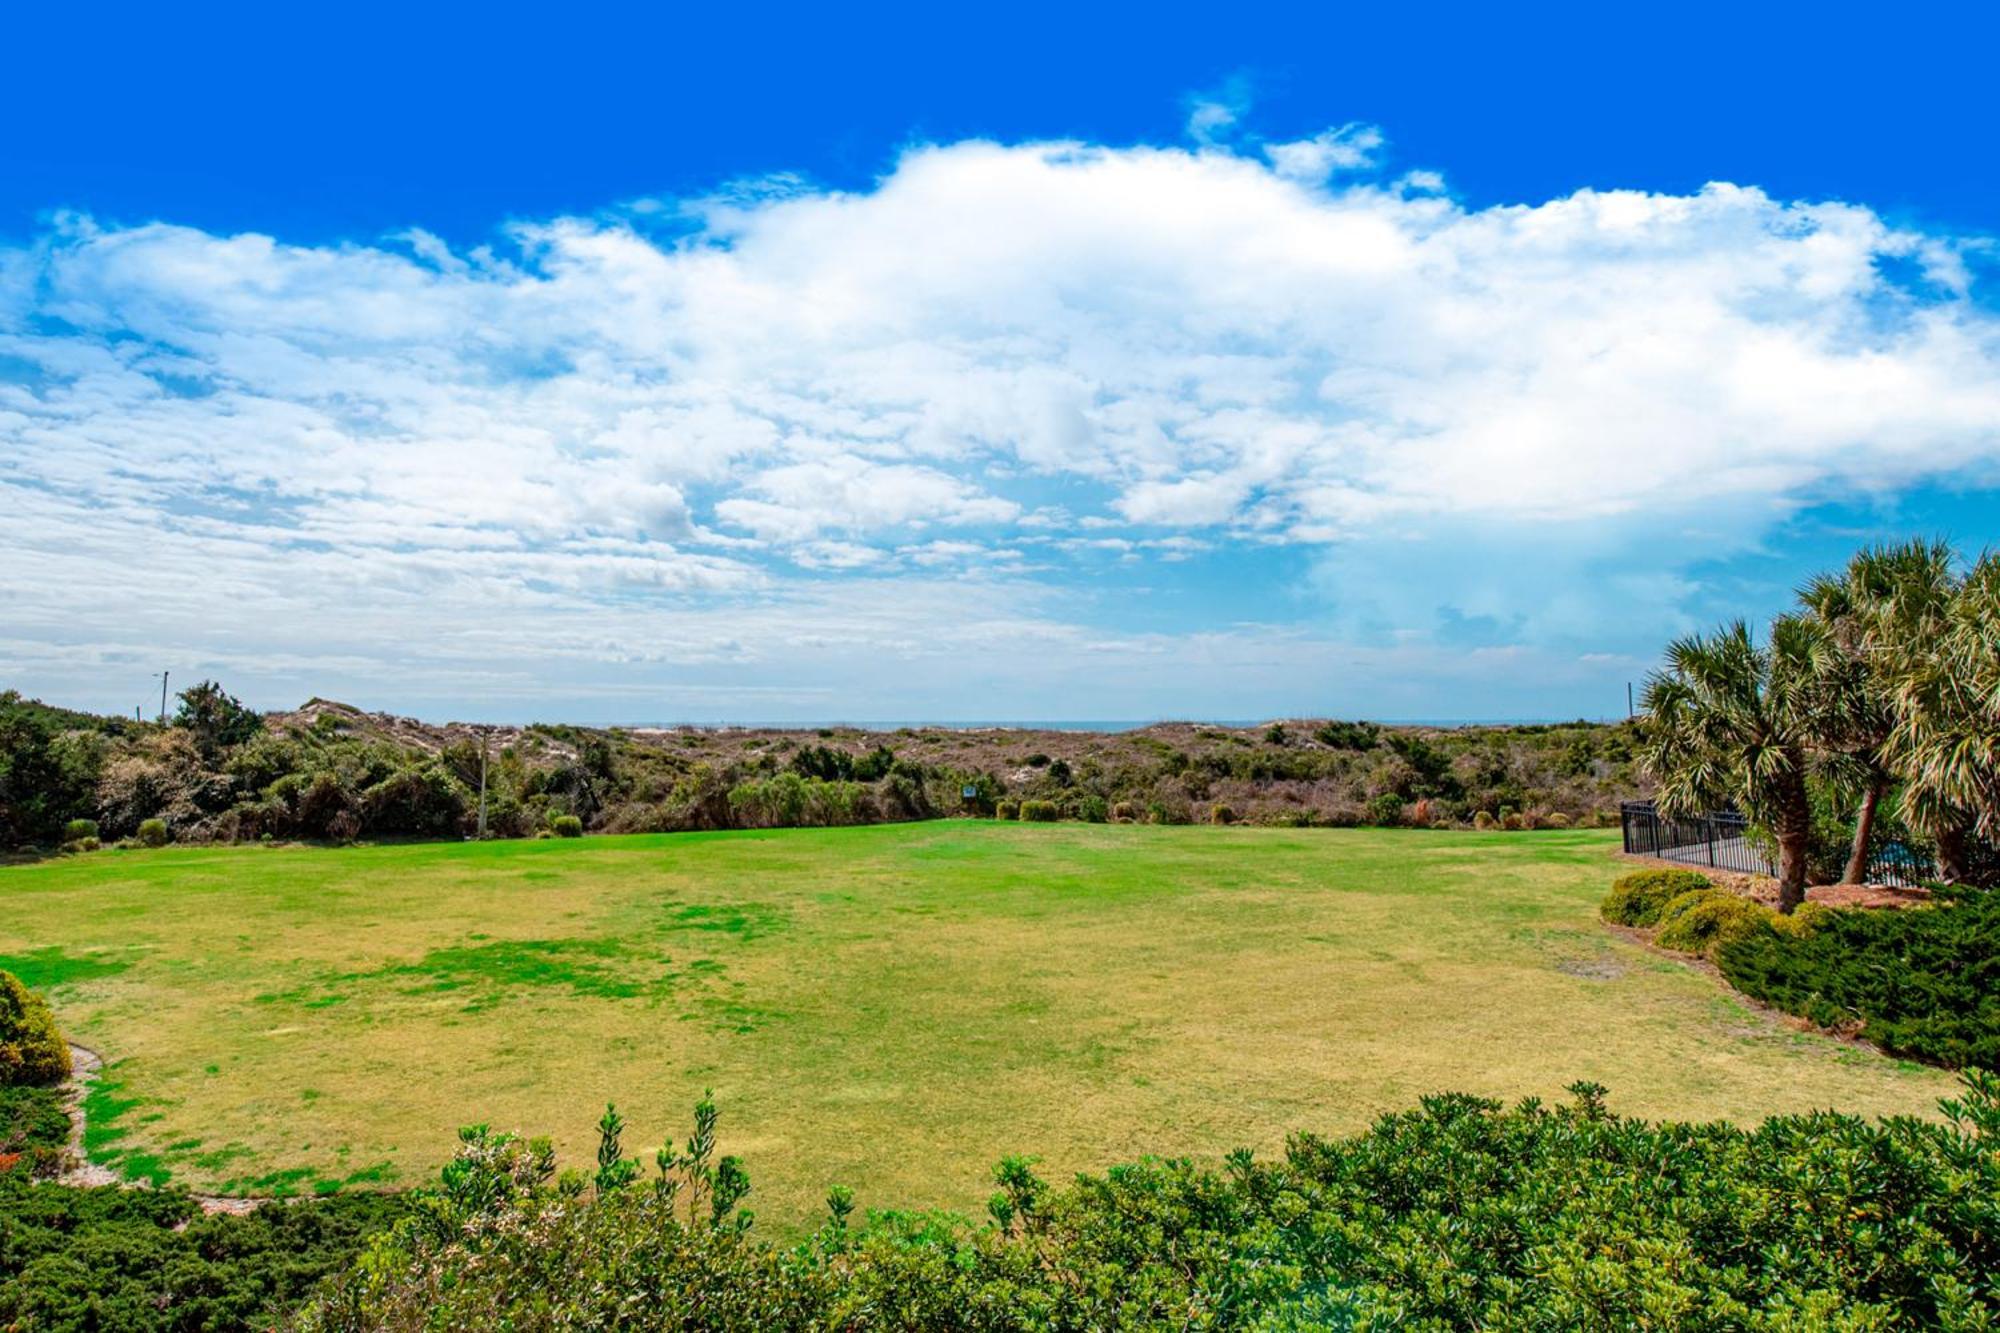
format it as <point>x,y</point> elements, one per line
<point>1721,841</point>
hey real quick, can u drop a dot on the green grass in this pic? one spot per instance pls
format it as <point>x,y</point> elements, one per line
<point>892,1008</point>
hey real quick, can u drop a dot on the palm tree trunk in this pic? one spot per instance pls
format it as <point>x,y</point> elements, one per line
<point>1791,824</point>
<point>1951,854</point>
<point>1864,827</point>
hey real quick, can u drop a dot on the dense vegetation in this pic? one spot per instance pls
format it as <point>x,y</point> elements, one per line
<point>1868,717</point>
<point>1459,1214</point>
<point>218,772</point>
<point>1922,982</point>
<point>140,1260</point>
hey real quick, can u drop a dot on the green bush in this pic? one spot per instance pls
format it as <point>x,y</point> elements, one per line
<point>32,1051</point>
<point>76,830</point>
<point>1221,814</point>
<point>1922,981</point>
<point>1707,919</point>
<point>34,1130</point>
<point>1457,1214</point>
<point>566,826</point>
<point>1639,899</point>
<point>1040,812</point>
<point>149,1261</point>
<point>1006,810</point>
<point>1385,810</point>
<point>152,833</point>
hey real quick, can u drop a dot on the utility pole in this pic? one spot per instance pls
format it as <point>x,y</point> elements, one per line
<point>1628,700</point>
<point>482,784</point>
<point>163,698</point>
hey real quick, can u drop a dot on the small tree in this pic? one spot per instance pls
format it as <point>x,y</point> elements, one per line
<point>215,718</point>
<point>1730,723</point>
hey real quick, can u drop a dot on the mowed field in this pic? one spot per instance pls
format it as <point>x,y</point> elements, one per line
<point>891,1008</point>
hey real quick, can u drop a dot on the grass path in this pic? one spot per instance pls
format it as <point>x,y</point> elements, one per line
<point>891,1008</point>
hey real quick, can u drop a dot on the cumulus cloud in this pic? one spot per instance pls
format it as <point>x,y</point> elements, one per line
<point>674,410</point>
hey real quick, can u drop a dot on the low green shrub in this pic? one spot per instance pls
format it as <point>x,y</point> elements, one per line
<point>76,830</point>
<point>32,1051</point>
<point>152,833</point>
<point>1923,982</point>
<point>1483,820</point>
<point>1707,919</point>
<point>566,826</point>
<point>1457,1214</point>
<point>1124,812</point>
<point>1221,814</point>
<point>1040,812</point>
<point>1385,810</point>
<point>149,1261</point>
<point>1006,809</point>
<point>34,1130</point>
<point>1638,899</point>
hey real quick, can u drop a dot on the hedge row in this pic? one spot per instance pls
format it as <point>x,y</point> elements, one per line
<point>1459,1214</point>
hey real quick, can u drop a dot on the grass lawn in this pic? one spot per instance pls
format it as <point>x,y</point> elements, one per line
<point>891,1008</point>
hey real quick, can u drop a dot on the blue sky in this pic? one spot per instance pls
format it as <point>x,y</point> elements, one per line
<point>1032,362</point>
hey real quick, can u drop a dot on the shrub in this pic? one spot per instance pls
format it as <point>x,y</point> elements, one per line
<point>1385,810</point>
<point>1640,898</point>
<point>149,1261</point>
<point>1040,812</point>
<point>1092,809</point>
<point>1124,812</point>
<point>1556,819</point>
<point>32,1051</point>
<point>1708,919</point>
<point>76,830</point>
<point>1458,1213</point>
<point>1006,809</point>
<point>152,833</point>
<point>1512,822</point>
<point>1221,814</point>
<point>566,826</point>
<point>34,1130</point>
<point>1484,820</point>
<point>1920,981</point>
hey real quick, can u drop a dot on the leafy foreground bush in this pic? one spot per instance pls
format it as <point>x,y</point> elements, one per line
<point>1638,899</point>
<point>1455,1215</point>
<point>31,1050</point>
<point>113,1259</point>
<point>1922,982</point>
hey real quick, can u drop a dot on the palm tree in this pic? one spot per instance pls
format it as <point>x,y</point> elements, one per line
<point>1927,637</point>
<point>1947,734</point>
<point>1856,672</point>
<point>1731,723</point>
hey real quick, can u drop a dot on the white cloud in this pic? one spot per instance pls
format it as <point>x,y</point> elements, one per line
<point>1348,147</point>
<point>215,436</point>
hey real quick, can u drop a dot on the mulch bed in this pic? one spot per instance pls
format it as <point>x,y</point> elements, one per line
<point>1764,889</point>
